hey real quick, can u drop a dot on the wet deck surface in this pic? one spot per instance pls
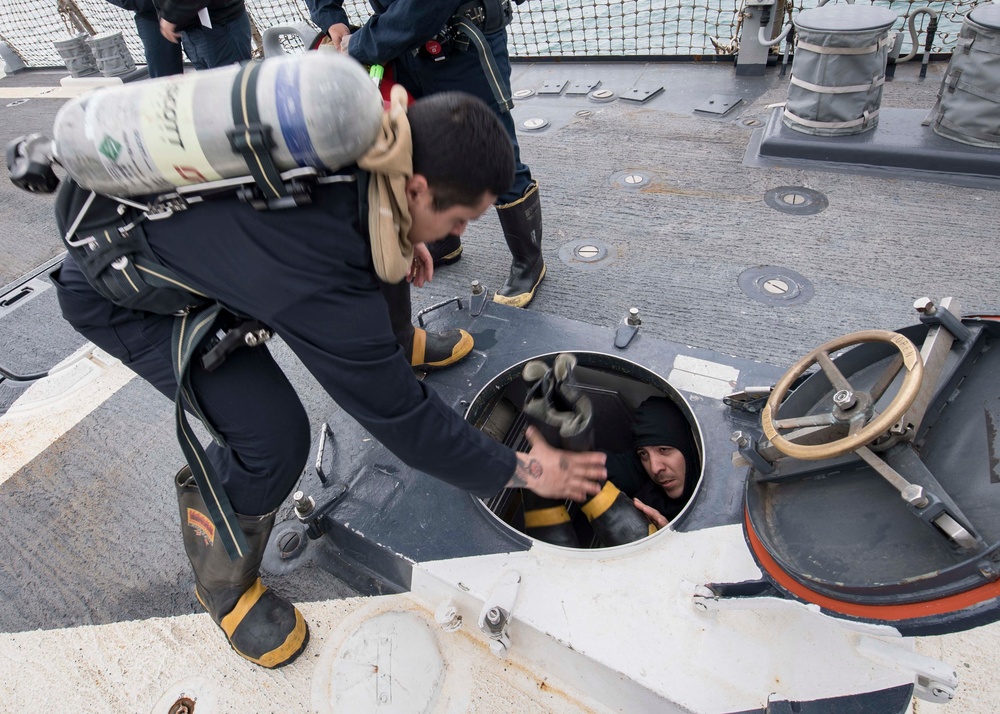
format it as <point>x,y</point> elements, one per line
<point>88,533</point>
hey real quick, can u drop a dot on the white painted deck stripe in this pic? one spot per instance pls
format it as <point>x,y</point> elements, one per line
<point>144,666</point>
<point>52,406</point>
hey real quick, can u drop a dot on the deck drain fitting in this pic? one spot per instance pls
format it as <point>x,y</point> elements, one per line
<point>534,124</point>
<point>587,254</point>
<point>630,179</point>
<point>184,705</point>
<point>775,286</point>
<point>796,200</point>
<point>584,113</point>
<point>601,95</point>
<point>524,93</point>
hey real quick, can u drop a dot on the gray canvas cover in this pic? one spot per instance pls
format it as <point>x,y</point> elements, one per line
<point>839,69</point>
<point>968,107</point>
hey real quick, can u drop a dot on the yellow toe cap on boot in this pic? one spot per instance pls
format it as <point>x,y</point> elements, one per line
<point>265,628</point>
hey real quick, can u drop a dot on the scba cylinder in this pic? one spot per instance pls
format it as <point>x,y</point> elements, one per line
<point>320,109</point>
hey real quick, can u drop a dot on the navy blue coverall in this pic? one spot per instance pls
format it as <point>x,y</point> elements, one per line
<point>395,33</point>
<point>307,273</point>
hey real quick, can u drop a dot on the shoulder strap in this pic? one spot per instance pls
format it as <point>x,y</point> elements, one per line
<point>250,137</point>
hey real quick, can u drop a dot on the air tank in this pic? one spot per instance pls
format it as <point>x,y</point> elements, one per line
<point>152,136</point>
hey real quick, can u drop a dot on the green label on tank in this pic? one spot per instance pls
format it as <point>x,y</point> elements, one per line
<point>110,148</point>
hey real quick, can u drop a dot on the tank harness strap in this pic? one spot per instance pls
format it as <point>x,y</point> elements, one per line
<point>252,139</point>
<point>189,333</point>
<point>108,243</point>
<point>465,26</point>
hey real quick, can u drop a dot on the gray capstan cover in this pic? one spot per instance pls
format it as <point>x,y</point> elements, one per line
<point>111,54</point>
<point>839,69</point>
<point>968,106</point>
<point>77,55</point>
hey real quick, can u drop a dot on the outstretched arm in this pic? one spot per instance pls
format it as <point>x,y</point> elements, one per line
<point>554,473</point>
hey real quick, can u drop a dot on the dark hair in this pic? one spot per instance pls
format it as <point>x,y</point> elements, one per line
<point>461,148</point>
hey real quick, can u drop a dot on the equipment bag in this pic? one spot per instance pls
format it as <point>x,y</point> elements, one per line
<point>968,106</point>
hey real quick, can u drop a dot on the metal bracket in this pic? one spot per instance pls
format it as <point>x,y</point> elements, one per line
<point>923,503</point>
<point>498,611</point>
<point>931,314</point>
<point>582,88</point>
<point>933,680</point>
<point>314,517</point>
<point>747,447</point>
<point>553,86</point>
<point>751,400</point>
<point>719,104</point>
<point>438,306</point>
<point>641,94</point>
<point>480,294</point>
<point>627,328</point>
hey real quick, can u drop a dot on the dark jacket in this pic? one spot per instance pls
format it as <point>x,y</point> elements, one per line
<point>398,26</point>
<point>184,13</point>
<point>307,273</point>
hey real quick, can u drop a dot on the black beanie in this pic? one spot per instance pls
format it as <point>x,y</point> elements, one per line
<point>660,422</point>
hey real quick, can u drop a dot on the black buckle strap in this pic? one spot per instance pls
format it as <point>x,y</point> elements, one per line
<point>188,333</point>
<point>250,137</point>
<point>488,15</point>
<point>466,27</point>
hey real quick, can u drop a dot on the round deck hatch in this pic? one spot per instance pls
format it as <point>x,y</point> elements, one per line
<point>615,389</point>
<point>839,532</point>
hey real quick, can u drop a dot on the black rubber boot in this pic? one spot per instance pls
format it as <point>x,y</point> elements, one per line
<point>429,351</point>
<point>614,517</point>
<point>426,351</point>
<point>260,626</point>
<point>446,251</point>
<point>522,228</point>
<point>548,520</point>
<point>562,413</point>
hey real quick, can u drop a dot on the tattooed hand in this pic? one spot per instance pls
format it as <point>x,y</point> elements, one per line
<point>554,473</point>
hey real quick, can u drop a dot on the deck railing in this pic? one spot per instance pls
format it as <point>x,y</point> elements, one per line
<point>591,29</point>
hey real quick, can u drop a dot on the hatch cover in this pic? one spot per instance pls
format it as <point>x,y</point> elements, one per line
<point>841,532</point>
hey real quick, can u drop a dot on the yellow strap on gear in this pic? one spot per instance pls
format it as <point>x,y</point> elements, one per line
<point>542,517</point>
<point>596,506</point>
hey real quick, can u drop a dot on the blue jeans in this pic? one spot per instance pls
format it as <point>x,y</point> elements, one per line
<point>219,46</point>
<point>163,57</point>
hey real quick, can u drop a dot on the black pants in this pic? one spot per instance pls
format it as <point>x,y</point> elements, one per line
<point>398,298</point>
<point>248,399</point>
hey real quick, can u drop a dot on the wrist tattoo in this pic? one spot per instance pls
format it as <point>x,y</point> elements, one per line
<point>528,469</point>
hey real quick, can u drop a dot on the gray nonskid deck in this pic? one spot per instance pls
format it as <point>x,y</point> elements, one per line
<point>90,524</point>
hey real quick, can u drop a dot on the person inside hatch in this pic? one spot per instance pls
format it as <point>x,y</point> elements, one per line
<point>661,471</point>
<point>311,274</point>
